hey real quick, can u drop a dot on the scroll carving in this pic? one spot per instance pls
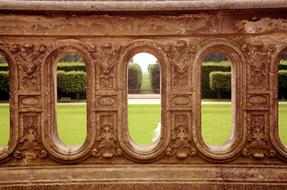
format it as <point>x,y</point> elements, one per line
<point>258,100</point>
<point>181,100</point>
<point>28,57</point>
<point>29,146</point>
<point>180,54</point>
<point>29,102</point>
<point>107,100</point>
<point>107,144</point>
<point>181,144</point>
<point>258,57</point>
<point>106,56</point>
<point>258,142</point>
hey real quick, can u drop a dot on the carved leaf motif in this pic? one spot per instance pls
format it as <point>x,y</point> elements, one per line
<point>29,57</point>
<point>258,57</point>
<point>258,143</point>
<point>180,53</point>
<point>107,56</point>
<point>107,143</point>
<point>181,144</point>
<point>30,143</point>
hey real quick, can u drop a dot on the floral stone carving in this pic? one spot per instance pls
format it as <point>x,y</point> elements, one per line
<point>258,143</point>
<point>180,54</point>
<point>258,56</point>
<point>181,142</point>
<point>107,143</point>
<point>106,56</point>
<point>30,147</point>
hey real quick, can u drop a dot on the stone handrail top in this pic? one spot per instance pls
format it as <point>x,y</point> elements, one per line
<point>138,6</point>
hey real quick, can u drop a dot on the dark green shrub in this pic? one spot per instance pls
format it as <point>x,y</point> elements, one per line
<point>283,65</point>
<point>134,78</point>
<point>4,67</point>
<point>72,83</point>
<point>207,68</point>
<point>154,73</point>
<point>220,82</point>
<point>71,66</point>
<point>282,84</point>
<point>62,66</point>
<point>4,85</point>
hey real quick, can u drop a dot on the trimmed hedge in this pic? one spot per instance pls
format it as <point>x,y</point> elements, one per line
<point>72,83</point>
<point>207,68</point>
<point>4,67</point>
<point>154,73</point>
<point>134,78</point>
<point>225,66</point>
<point>71,66</point>
<point>282,89</point>
<point>220,82</point>
<point>283,65</point>
<point>4,85</point>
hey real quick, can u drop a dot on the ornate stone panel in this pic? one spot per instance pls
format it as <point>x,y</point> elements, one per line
<point>258,141</point>
<point>258,101</point>
<point>107,36</point>
<point>29,103</point>
<point>258,56</point>
<point>181,144</point>
<point>106,102</point>
<point>107,145</point>
<point>105,57</point>
<point>180,54</point>
<point>28,57</point>
<point>30,144</point>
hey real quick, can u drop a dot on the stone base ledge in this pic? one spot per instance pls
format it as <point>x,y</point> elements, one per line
<point>138,5</point>
<point>144,177</point>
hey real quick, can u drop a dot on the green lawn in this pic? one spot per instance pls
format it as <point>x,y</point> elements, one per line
<point>143,119</point>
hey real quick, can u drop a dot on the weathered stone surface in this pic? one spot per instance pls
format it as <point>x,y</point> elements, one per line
<point>106,34</point>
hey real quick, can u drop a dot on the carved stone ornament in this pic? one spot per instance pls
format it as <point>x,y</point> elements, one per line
<point>181,143</point>
<point>258,56</point>
<point>180,54</point>
<point>106,140</point>
<point>28,56</point>
<point>34,35</point>
<point>29,147</point>
<point>258,142</point>
<point>106,56</point>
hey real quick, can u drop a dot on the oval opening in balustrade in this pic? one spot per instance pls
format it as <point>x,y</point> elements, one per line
<point>4,101</point>
<point>144,107</point>
<point>216,100</point>
<point>71,95</point>
<point>282,96</point>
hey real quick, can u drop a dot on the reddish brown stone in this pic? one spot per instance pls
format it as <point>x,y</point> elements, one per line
<point>106,34</point>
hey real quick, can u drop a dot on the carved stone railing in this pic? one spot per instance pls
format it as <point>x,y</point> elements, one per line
<point>106,34</point>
